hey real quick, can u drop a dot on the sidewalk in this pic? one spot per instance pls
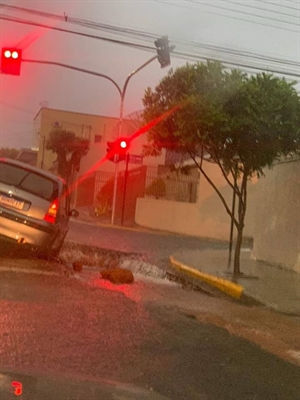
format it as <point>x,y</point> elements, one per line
<point>274,287</point>
<point>268,284</point>
<point>87,214</point>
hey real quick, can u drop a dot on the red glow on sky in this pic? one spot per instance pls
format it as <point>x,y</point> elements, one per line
<point>31,37</point>
<point>36,34</point>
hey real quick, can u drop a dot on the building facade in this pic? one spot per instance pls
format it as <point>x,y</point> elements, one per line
<point>277,216</point>
<point>97,129</point>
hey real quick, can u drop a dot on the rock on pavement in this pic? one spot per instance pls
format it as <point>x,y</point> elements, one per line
<point>117,275</point>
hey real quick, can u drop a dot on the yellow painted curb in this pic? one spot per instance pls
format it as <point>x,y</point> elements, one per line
<point>231,288</point>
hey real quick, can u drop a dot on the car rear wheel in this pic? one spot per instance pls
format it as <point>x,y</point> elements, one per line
<point>51,250</point>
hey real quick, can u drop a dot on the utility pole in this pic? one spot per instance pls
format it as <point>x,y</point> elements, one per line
<point>123,93</point>
<point>125,188</point>
<point>163,56</point>
<point>43,151</point>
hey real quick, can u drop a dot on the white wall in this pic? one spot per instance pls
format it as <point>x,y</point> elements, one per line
<point>277,222</point>
<point>206,218</point>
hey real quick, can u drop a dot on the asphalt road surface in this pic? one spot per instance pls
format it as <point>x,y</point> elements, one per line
<point>156,246</point>
<point>68,329</point>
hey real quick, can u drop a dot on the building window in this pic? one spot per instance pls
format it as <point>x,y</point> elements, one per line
<point>98,138</point>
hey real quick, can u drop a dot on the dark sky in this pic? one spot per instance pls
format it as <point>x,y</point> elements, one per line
<point>239,24</point>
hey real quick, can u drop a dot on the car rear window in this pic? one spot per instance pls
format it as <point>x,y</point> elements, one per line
<point>28,181</point>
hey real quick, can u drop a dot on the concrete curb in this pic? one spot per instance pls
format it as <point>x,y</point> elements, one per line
<point>216,284</point>
<point>32,271</point>
<point>230,288</point>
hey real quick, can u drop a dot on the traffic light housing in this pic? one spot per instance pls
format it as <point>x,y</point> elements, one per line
<point>11,59</point>
<point>117,150</point>
<point>163,51</point>
<point>110,151</point>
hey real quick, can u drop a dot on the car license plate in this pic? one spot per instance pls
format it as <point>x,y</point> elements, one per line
<point>10,201</point>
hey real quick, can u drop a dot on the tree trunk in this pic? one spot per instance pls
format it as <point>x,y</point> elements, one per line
<point>237,253</point>
<point>240,226</point>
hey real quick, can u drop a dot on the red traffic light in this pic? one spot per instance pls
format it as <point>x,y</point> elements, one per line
<point>123,144</point>
<point>11,61</point>
<point>116,151</point>
<point>11,53</point>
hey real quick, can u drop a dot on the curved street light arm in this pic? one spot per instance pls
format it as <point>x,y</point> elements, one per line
<point>76,69</point>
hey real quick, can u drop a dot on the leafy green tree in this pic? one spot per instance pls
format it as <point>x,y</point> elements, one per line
<point>8,152</point>
<point>242,123</point>
<point>69,149</point>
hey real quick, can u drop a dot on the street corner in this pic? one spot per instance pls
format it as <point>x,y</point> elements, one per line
<point>231,289</point>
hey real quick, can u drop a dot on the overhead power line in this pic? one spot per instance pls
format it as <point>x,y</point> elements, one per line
<point>263,9</point>
<point>185,54</point>
<point>239,53</point>
<point>40,25</point>
<point>236,64</point>
<point>181,5</point>
<point>151,36</point>
<point>79,21</point>
<point>132,32</point>
<point>138,34</point>
<point>241,12</point>
<point>107,26</point>
<point>285,6</point>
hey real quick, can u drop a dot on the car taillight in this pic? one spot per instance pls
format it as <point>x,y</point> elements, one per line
<point>52,212</point>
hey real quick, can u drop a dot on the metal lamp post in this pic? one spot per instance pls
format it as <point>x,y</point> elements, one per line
<point>122,93</point>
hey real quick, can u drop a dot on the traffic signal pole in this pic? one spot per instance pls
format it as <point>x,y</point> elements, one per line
<point>121,117</point>
<point>122,93</point>
<point>125,188</point>
<point>86,71</point>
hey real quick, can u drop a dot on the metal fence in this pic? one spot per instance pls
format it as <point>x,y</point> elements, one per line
<point>100,180</point>
<point>172,187</point>
<point>159,186</point>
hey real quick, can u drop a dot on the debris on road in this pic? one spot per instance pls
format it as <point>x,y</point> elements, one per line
<point>118,275</point>
<point>77,266</point>
<point>107,261</point>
